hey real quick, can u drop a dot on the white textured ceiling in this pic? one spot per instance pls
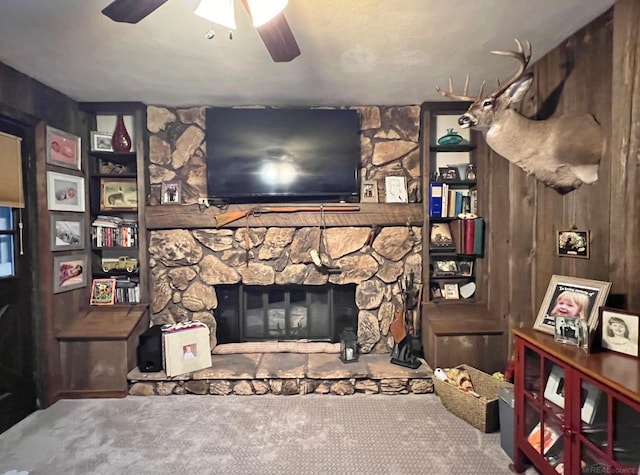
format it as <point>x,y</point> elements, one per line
<point>354,52</point>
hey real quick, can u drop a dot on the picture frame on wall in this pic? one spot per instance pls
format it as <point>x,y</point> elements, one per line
<point>620,331</point>
<point>63,149</point>
<point>65,192</point>
<point>574,243</point>
<point>69,272</point>
<point>171,193</point>
<point>396,189</point>
<point>369,191</point>
<point>118,194</point>
<point>67,232</point>
<point>101,141</point>
<point>571,297</point>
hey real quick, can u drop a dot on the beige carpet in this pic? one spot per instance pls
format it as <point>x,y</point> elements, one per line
<point>309,434</point>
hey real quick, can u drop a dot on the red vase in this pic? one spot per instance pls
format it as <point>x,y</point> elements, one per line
<point>120,140</point>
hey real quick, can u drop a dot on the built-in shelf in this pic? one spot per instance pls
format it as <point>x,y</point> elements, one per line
<point>368,214</point>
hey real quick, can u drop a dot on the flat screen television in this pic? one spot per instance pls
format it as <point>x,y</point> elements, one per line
<point>276,155</point>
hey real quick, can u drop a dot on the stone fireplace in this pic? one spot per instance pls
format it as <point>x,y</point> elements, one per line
<point>192,269</point>
<point>191,265</point>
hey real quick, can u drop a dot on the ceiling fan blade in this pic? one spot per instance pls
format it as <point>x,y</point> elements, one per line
<point>279,40</point>
<point>131,11</point>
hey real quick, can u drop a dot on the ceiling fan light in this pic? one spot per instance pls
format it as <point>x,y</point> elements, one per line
<point>217,11</point>
<point>264,10</point>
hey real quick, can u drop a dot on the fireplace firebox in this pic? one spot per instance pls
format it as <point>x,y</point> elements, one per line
<point>259,313</point>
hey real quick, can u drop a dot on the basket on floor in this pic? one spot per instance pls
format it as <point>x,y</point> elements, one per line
<point>481,413</point>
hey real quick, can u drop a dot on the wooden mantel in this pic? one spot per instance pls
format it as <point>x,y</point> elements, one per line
<point>369,214</point>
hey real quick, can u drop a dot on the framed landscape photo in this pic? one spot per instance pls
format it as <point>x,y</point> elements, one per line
<point>67,232</point>
<point>65,192</point>
<point>573,243</point>
<point>369,191</point>
<point>118,194</point>
<point>103,292</point>
<point>63,149</point>
<point>620,331</point>
<point>69,273</point>
<point>101,141</point>
<point>571,297</point>
<point>445,267</point>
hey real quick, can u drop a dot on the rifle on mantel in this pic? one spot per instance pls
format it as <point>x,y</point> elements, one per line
<point>231,216</point>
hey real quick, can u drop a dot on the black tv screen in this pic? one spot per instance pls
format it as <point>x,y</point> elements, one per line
<point>262,155</point>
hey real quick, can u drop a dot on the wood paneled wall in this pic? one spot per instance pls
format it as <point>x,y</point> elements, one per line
<point>29,102</point>
<point>596,70</point>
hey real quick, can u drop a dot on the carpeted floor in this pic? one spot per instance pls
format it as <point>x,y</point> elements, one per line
<point>310,434</point>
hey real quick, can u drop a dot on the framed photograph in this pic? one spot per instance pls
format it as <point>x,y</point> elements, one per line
<point>101,141</point>
<point>466,268</point>
<point>443,267</point>
<point>573,243</point>
<point>103,292</point>
<point>65,192</point>
<point>369,191</point>
<point>396,189</point>
<point>589,399</point>
<point>570,330</point>
<point>451,291</point>
<point>571,297</point>
<point>186,350</point>
<point>63,149</point>
<point>69,273</point>
<point>449,173</point>
<point>118,194</point>
<point>67,232</point>
<point>619,331</point>
<point>171,193</point>
<point>436,291</point>
<point>440,237</point>
<point>554,389</point>
<point>542,441</point>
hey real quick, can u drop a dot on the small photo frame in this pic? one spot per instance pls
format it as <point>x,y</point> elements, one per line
<point>571,297</point>
<point>440,237</point>
<point>103,292</point>
<point>451,291</point>
<point>542,441</point>
<point>101,141</point>
<point>620,331</point>
<point>449,173</point>
<point>442,267</point>
<point>435,290</point>
<point>570,330</point>
<point>67,232</point>
<point>63,149</point>
<point>554,389</point>
<point>69,273</point>
<point>171,193</point>
<point>369,191</point>
<point>65,192</point>
<point>573,243</point>
<point>118,194</point>
<point>466,268</point>
<point>396,189</point>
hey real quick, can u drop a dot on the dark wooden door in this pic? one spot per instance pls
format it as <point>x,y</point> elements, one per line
<point>17,357</point>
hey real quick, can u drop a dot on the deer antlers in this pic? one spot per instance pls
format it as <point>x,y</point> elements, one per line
<point>523,56</point>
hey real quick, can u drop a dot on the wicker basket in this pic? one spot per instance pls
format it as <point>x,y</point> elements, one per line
<point>481,413</point>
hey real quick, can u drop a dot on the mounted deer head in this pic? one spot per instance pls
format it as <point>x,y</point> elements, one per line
<point>563,152</point>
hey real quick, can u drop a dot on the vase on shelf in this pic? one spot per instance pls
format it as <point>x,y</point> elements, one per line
<point>120,140</point>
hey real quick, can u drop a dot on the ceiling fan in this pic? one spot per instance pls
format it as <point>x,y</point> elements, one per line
<point>275,33</point>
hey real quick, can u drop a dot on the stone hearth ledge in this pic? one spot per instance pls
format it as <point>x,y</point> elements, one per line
<point>287,374</point>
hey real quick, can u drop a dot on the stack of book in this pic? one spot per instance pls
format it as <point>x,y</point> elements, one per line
<point>468,236</point>
<point>114,231</point>
<point>447,202</point>
<point>127,289</point>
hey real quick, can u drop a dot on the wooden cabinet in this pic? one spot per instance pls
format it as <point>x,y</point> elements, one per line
<point>98,350</point>
<point>575,412</point>
<point>454,243</point>
<point>117,197</point>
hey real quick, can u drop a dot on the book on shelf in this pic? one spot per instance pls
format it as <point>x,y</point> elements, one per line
<point>435,200</point>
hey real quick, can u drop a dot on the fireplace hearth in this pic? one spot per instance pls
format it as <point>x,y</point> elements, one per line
<point>284,312</point>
